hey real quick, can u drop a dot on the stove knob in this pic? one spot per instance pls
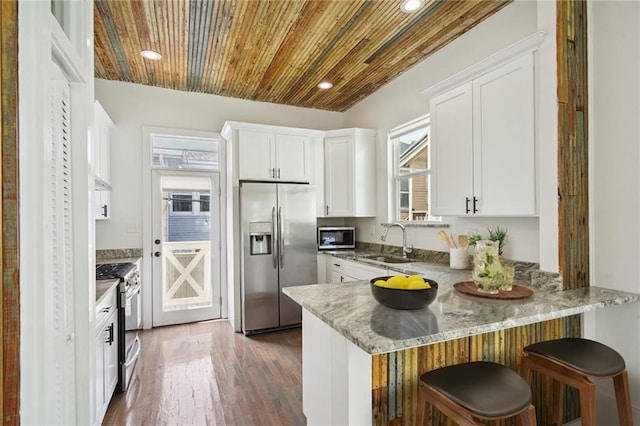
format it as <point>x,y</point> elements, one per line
<point>156,254</point>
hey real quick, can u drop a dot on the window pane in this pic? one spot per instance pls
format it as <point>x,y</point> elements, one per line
<point>413,198</point>
<point>412,171</point>
<point>419,198</point>
<point>404,201</point>
<point>204,203</point>
<point>185,153</point>
<point>413,151</point>
<point>181,203</point>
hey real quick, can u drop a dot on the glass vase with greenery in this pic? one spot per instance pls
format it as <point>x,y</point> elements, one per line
<point>497,234</point>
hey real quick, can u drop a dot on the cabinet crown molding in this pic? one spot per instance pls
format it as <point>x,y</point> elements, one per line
<point>526,45</point>
<point>234,125</point>
<point>351,131</point>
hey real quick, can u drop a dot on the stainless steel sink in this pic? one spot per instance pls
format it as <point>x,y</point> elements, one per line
<point>386,259</point>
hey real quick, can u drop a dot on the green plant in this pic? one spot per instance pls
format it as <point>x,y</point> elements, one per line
<point>473,239</point>
<point>498,234</point>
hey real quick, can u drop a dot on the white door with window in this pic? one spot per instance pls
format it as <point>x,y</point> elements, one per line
<point>186,246</point>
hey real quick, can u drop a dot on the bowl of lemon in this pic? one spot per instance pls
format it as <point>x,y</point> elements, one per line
<point>404,292</point>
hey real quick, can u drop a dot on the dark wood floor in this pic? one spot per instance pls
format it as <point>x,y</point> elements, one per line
<point>205,374</point>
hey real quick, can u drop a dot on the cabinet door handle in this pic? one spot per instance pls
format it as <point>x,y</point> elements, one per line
<point>327,210</point>
<point>104,211</point>
<point>341,279</point>
<point>475,200</point>
<point>109,338</point>
<point>336,265</point>
<point>278,172</point>
<point>467,205</point>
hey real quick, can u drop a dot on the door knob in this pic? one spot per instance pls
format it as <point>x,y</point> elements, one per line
<point>156,254</point>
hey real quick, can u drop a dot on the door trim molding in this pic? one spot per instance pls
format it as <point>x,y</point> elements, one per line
<point>147,226</point>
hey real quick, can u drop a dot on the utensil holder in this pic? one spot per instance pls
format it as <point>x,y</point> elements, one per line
<point>458,258</point>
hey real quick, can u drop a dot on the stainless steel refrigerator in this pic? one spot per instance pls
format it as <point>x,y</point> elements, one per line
<point>278,228</point>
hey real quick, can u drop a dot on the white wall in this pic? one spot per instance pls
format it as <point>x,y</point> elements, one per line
<point>615,196</point>
<point>132,106</point>
<point>400,101</point>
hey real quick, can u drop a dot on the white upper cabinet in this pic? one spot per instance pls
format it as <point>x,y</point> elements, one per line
<point>504,180</point>
<point>102,162</point>
<point>451,151</point>
<point>274,155</point>
<point>256,159</point>
<point>483,146</point>
<point>349,166</point>
<point>293,158</point>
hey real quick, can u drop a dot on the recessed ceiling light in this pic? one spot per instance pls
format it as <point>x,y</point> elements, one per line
<point>325,85</point>
<point>410,6</point>
<point>151,54</point>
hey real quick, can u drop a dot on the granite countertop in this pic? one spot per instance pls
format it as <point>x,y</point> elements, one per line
<point>351,310</point>
<point>103,287</point>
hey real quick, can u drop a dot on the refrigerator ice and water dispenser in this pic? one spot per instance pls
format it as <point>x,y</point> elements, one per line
<point>260,234</point>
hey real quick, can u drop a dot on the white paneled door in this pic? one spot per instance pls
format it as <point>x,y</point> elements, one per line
<point>186,247</point>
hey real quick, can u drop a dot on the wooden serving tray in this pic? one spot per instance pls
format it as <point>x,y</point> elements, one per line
<point>517,292</point>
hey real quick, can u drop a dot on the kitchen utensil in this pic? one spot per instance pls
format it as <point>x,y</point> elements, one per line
<point>447,239</point>
<point>463,241</point>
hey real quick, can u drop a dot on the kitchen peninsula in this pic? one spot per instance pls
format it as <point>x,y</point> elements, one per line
<point>361,360</point>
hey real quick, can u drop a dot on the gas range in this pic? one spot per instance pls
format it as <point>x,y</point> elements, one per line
<point>107,271</point>
<point>129,315</point>
<point>127,273</point>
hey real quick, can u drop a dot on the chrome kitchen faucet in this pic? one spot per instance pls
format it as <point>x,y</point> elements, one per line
<point>405,250</point>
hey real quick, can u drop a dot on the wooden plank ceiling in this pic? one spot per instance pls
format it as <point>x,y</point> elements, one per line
<point>275,50</point>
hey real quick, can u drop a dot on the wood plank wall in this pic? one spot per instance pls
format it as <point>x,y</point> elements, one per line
<point>573,149</point>
<point>395,375</point>
<point>10,306</point>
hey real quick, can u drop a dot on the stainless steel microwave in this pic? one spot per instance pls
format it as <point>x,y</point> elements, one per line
<point>336,237</point>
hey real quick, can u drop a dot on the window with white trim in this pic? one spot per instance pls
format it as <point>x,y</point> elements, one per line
<point>188,203</point>
<point>411,167</point>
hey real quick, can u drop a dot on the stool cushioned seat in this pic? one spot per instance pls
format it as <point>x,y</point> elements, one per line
<point>589,357</point>
<point>484,388</point>
<point>573,362</point>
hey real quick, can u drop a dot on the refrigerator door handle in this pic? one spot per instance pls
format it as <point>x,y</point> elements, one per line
<point>274,253</point>
<point>280,238</point>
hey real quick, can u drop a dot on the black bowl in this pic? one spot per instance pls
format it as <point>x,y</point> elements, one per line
<point>397,298</point>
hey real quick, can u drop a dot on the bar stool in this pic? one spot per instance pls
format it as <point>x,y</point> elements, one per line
<point>472,391</point>
<point>573,361</point>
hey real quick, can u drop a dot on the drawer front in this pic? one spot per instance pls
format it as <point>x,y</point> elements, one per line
<point>106,307</point>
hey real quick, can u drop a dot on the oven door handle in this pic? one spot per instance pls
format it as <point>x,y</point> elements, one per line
<point>133,359</point>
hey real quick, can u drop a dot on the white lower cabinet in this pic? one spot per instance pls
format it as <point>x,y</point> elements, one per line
<point>105,371</point>
<point>347,271</point>
<point>336,377</point>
